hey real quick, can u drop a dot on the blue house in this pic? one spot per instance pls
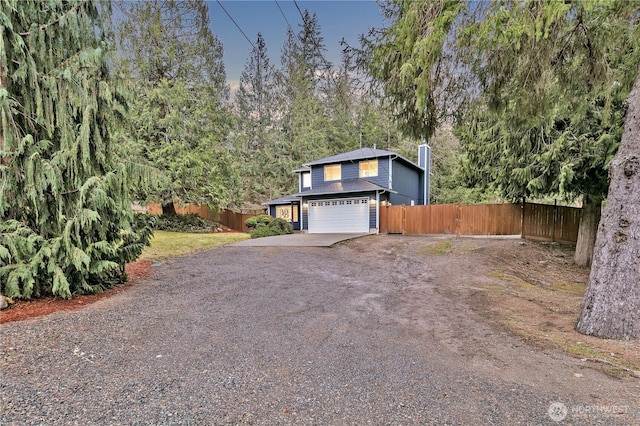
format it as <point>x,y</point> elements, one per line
<point>343,193</point>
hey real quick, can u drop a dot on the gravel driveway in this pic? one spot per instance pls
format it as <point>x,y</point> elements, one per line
<point>366,332</point>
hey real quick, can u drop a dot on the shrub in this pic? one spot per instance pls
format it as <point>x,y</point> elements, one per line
<point>189,223</point>
<point>280,227</point>
<point>254,222</point>
<point>273,227</point>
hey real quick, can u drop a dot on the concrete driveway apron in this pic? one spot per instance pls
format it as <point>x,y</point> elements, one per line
<point>298,240</point>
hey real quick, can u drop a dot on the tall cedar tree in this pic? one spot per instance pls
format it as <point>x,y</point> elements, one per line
<point>611,306</point>
<point>177,86</point>
<point>66,217</point>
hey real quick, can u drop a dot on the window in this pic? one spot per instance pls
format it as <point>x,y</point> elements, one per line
<point>306,180</point>
<point>287,213</point>
<point>332,172</point>
<point>368,168</point>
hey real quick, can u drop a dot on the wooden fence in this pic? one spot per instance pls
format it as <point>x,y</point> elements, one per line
<point>551,223</point>
<point>537,221</point>
<point>233,220</point>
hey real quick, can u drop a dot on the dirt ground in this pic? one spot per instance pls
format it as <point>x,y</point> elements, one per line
<point>398,329</point>
<point>534,290</point>
<point>531,289</point>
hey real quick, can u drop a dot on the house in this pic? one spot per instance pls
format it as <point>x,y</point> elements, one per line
<point>343,193</point>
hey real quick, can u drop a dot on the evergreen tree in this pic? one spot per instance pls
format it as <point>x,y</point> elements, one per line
<point>611,305</point>
<point>256,133</point>
<point>179,122</point>
<point>66,219</point>
<point>411,59</point>
<point>302,115</point>
<point>554,77</point>
<point>547,80</point>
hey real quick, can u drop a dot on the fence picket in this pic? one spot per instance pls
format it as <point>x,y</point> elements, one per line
<point>537,221</point>
<point>224,217</point>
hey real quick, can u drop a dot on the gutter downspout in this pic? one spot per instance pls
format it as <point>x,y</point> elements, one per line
<point>377,212</point>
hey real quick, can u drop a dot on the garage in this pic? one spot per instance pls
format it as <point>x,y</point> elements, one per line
<point>338,216</point>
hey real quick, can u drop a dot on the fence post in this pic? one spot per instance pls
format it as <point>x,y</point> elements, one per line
<point>524,209</point>
<point>404,219</point>
<point>555,219</point>
<point>458,217</point>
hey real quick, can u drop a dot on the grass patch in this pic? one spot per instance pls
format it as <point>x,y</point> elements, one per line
<point>512,279</point>
<point>439,248</point>
<point>166,244</point>
<point>495,289</point>
<point>571,287</point>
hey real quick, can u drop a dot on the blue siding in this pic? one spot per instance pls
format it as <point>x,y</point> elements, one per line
<point>407,183</point>
<point>372,205</point>
<point>296,225</point>
<point>351,170</point>
<point>383,173</point>
<point>317,176</point>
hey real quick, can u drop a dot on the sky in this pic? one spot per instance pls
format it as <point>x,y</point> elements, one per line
<point>337,18</point>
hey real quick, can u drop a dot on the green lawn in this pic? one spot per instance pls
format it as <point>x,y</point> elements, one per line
<point>166,244</point>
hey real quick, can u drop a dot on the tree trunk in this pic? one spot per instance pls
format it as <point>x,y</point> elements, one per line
<point>168,209</point>
<point>3,85</point>
<point>611,306</point>
<point>591,212</point>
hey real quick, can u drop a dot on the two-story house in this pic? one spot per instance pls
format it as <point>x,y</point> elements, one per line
<point>344,192</point>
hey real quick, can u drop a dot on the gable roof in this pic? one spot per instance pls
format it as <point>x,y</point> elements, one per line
<point>359,154</point>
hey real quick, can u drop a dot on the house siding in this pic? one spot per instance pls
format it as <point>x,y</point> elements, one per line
<point>407,184</point>
<point>295,225</point>
<point>372,205</point>
<point>351,170</point>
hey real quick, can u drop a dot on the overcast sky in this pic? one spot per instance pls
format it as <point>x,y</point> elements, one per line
<point>337,18</point>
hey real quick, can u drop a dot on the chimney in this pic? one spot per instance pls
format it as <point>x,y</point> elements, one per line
<point>424,162</point>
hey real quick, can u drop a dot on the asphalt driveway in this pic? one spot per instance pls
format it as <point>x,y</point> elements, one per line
<point>366,332</point>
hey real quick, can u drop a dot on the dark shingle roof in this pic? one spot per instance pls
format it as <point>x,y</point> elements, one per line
<point>342,187</point>
<point>358,154</point>
<point>287,199</point>
<point>301,170</point>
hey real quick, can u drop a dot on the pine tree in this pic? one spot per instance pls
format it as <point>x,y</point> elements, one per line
<point>66,223</point>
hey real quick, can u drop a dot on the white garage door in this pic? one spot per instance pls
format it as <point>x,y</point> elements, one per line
<point>338,216</point>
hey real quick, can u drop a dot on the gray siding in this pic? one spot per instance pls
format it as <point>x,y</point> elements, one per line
<point>407,183</point>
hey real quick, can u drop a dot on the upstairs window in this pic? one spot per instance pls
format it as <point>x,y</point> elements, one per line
<point>368,168</point>
<point>306,180</point>
<point>332,172</point>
